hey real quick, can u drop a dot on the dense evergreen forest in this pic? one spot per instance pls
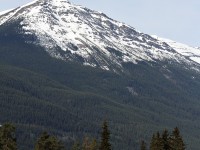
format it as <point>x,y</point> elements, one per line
<point>69,100</point>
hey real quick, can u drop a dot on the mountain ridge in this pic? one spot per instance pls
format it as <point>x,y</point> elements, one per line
<point>88,36</point>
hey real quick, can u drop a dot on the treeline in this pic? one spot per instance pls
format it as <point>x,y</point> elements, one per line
<point>165,141</point>
<point>45,141</point>
<point>159,141</point>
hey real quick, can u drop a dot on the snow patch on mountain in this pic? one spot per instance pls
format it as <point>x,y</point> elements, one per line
<point>183,49</point>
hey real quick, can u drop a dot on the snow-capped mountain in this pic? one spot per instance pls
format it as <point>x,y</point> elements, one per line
<point>187,51</point>
<point>75,33</point>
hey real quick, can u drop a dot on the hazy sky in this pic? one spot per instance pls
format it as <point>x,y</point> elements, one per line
<point>174,19</point>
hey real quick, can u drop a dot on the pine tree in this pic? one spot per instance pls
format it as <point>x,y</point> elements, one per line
<point>47,142</point>
<point>105,138</point>
<point>165,139</point>
<point>159,142</point>
<point>7,137</point>
<point>153,142</point>
<point>143,145</point>
<point>156,142</point>
<point>176,141</point>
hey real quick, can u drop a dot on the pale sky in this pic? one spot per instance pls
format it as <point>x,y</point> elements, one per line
<point>178,20</point>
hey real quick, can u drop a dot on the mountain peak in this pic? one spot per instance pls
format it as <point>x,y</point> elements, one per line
<point>55,1</point>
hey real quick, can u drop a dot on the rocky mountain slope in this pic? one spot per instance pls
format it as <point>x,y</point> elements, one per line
<point>75,33</point>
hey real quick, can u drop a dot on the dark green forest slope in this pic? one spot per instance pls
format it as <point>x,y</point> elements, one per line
<point>38,92</point>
